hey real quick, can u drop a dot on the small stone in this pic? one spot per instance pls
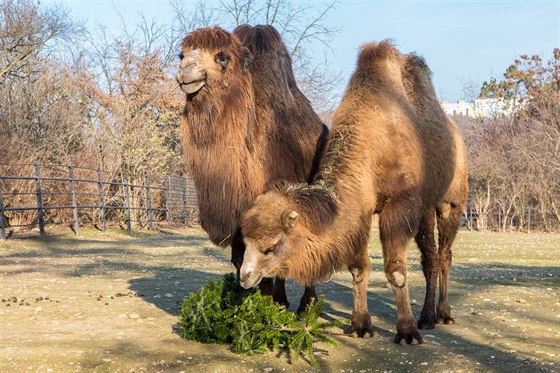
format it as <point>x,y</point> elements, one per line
<point>267,370</point>
<point>168,295</point>
<point>413,302</point>
<point>134,316</point>
<point>520,358</point>
<point>423,363</point>
<point>429,336</point>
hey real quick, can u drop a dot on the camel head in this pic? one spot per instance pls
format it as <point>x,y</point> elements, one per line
<point>280,231</point>
<point>210,57</point>
<point>267,228</point>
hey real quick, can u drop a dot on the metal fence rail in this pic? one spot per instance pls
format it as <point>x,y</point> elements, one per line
<point>36,195</point>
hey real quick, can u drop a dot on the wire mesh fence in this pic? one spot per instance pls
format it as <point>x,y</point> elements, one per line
<point>37,195</point>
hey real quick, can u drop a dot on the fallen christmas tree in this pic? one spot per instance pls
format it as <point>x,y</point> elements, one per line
<point>224,312</point>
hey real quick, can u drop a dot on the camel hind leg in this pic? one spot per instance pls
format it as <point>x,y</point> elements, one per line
<point>448,220</point>
<point>426,242</point>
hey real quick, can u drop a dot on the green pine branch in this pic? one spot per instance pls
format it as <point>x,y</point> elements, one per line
<point>224,312</point>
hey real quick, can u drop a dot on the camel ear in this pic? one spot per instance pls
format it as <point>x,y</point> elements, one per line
<point>245,58</point>
<point>289,219</point>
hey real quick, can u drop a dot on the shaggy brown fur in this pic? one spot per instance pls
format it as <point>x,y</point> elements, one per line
<point>391,151</point>
<point>245,125</point>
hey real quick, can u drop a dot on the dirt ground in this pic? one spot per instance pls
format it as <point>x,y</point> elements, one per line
<point>108,302</point>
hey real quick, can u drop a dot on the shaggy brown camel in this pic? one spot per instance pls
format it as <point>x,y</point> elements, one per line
<point>391,151</point>
<point>245,125</point>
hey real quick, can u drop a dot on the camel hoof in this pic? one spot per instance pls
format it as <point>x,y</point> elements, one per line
<point>426,323</point>
<point>359,332</point>
<point>411,338</point>
<point>408,332</point>
<point>445,320</point>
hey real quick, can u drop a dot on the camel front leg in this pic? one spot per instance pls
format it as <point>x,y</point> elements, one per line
<point>306,298</point>
<point>398,222</point>
<point>361,320</point>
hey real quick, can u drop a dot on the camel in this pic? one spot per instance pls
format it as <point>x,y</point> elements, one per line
<point>245,125</point>
<point>391,151</point>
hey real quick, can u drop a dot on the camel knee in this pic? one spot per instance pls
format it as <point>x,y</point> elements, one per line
<point>358,274</point>
<point>396,274</point>
<point>446,257</point>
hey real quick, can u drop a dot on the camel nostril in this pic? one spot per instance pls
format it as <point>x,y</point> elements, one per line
<point>245,277</point>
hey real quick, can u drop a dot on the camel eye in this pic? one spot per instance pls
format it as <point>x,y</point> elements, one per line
<point>270,249</point>
<point>222,59</point>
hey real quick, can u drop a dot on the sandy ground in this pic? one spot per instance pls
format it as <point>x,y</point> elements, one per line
<point>108,302</point>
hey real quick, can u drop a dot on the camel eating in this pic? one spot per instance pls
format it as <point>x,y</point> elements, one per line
<point>391,151</point>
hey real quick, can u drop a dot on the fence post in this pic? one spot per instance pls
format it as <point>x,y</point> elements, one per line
<point>74,200</point>
<point>149,203</point>
<point>101,199</point>
<point>126,201</point>
<point>40,212</point>
<point>186,210</point>
<point>2,219</point>
<point>167,199</point>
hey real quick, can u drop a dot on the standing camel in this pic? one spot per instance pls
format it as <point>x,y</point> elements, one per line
<point>245,126</point>
<point>391,151</point>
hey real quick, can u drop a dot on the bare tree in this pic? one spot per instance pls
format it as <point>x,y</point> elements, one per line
<point>27,31</point>
<point>515,159</point>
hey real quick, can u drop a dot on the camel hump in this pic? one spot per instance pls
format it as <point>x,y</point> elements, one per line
<point>373,54</point>
<point>418,76</point>
<point>260,38</point>
<point>381,65</point>
<point>210,38</point>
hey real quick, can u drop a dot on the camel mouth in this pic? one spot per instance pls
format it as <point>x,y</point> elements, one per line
<point>248,282</point>
<point>193,86</point>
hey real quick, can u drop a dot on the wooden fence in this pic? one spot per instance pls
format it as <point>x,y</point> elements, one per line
<point>34,195</point>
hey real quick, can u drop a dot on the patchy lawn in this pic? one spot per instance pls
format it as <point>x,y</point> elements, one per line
<point>108,302</point>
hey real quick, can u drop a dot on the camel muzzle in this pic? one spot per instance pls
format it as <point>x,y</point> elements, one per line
<point>249,279</point>
<point>191,77</point>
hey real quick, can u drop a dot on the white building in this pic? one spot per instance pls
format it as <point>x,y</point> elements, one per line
<point>460,108</point>
<point>480,108</point>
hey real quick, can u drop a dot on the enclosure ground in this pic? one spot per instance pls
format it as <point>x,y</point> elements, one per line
<point>108,302</point>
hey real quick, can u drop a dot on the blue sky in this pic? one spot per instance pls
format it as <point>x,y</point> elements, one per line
<point>461,40</point>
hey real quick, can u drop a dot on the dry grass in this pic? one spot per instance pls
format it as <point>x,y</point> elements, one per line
<point>113,300</point>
